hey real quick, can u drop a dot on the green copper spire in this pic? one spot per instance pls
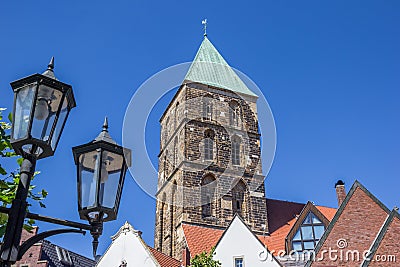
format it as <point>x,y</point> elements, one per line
<point>210,68</point>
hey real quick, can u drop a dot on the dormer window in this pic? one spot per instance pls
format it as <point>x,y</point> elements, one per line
<point>309,233</point>
<point>63,256</point>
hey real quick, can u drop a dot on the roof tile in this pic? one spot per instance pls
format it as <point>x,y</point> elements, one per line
<point>164,260</point>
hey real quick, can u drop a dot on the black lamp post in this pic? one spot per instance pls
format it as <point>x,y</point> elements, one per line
<point>101,166</point>
<point>41,107</point>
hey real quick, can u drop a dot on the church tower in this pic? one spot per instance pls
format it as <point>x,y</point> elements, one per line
<point>210,156</point>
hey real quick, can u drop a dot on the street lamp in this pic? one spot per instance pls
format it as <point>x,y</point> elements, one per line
<point>101,166</point>
<point>41,108</point>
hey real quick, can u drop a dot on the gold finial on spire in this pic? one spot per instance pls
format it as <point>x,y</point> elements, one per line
<point>204,22</point>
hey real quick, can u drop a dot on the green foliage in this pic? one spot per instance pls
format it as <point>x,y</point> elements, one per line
<point>205,260</point>
<point>9,180</point>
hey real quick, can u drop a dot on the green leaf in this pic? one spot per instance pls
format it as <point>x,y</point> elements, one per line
<point>19,161</point>
<point>28,228</point>
<point>2,171</point>
<point>3,230</point>
<point>44,193</point>
<point>10,117</point>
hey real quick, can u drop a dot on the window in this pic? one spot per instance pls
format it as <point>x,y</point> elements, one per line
<point>238,198</point>
<point>63,256</point>
<point>166,131</point>
<point>175,152</point>
<point>309,233</point>
<point>165,165</point>
<point>235,151</point>
<point>176,117</point>
<point>207,196</point>
<point>207,108</point>
<point>161,221</point>
<point>209,145</point>
<point>239,262</point>
<point>234,113</point>
<point>172,221</point>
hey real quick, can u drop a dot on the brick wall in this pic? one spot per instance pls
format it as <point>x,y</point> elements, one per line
<point>32,256</point>
<point>181,161</point>
<point>357,226</point>
<point>388,252</point>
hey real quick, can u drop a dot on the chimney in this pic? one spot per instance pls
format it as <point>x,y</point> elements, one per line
<point>340,192</point>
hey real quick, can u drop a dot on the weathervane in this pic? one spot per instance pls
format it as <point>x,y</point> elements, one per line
<point>204,22</point>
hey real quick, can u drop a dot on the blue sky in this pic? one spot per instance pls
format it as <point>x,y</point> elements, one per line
<point>329,70</point>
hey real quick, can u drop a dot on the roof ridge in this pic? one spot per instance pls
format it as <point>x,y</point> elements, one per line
<point>288,201</point>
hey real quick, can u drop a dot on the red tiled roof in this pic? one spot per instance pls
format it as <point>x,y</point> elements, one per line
<point>200,239</point>
<point>329,213</point>
<point>275,242</point>
<point>164,260</point>
<point>282,215</point>
<point>281,212</point>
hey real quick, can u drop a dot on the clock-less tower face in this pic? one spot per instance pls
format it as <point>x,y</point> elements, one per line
<point>210,156</point>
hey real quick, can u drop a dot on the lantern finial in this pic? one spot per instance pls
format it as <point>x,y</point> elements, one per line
<point>104,135</point>
<point>105,124</point>
<point>51,64</point>
<point>50,69</point>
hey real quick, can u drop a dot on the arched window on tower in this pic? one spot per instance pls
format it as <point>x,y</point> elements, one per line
<point>165,167</point>
<point>239,198</point>
<point>209,145</point>
<point>208,187</point>
<point>236,142</point>
<point>166,127</point>
<point>172,220</point>
<point>161,222</point>
<point>234,113</point>
<point>207,107</point>
<point>176,116</point>
<point>175,152</point>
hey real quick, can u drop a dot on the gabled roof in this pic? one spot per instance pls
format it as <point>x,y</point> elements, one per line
<point>239,222</point>
<point>201,238</point>
<point>390,232</point>
<point>282,216</point>
<point>210,68</point>
<point>356,190</point>
<point>309,207</point>
<point>128,245</point>
<point>49,253</point>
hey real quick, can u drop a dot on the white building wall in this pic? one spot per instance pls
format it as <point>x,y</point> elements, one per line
<point>239,242</point>
<point>127,245</point>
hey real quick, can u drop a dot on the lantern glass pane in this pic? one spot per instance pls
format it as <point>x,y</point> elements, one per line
<point>22,111</point>
<point>109,178</point>
<point>88,178</point>
<point>60,124</point>
<point>47,102</point>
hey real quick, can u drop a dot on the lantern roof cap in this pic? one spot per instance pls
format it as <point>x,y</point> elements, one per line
<point>104,134</point>
<point>50,69</point>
